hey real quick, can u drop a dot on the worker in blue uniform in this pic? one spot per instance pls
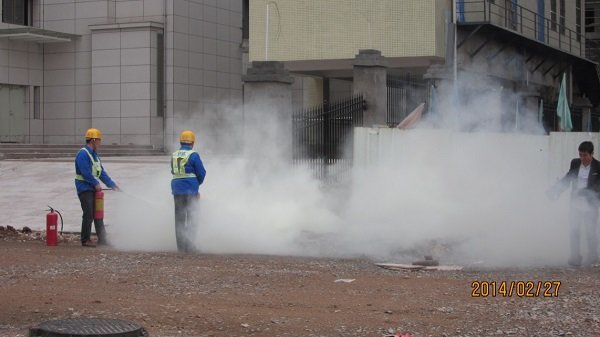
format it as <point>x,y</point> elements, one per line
<point>188,174</point>
<point>88,174</point>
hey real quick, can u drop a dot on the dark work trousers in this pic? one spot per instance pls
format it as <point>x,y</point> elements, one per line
<point>88,205</point>
<point>185,221</point>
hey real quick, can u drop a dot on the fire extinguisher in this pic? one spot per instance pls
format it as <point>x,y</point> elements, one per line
<point>99,206</point>
<point>52,226</point>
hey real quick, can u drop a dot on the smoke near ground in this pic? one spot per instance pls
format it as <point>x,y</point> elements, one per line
<point>468,191</point>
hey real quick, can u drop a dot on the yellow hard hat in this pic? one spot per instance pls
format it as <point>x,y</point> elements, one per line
<point>93,133</point>
<point>187,136</point>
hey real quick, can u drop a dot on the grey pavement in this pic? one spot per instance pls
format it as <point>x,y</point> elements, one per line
<point>27,187</point>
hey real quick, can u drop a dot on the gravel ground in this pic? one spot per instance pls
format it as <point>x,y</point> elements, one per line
<point>174,294</point>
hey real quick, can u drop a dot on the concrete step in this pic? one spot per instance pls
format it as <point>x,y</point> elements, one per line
<point>102,151</point>
<point>69,146</point>
<point>32,151</point>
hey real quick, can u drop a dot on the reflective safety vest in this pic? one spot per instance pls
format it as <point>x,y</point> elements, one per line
<point>178,161</point>
<point>96,166</point>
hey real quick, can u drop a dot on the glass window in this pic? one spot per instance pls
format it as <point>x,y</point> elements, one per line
<point>160,76</point>
<point>17,12</point>
<point>36,103</point>
<point>246,19</point>
<point>590,20</point>
<point>562,22</point>
<point>578,19</point>
<point>553,15</point>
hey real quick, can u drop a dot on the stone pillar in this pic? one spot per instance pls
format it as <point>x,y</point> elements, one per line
<point>268,111</point>
<point>529,107</point>
<point>370,75</point>
<point>585,105</point>
<point>439,74</point>
<point>440,78</point>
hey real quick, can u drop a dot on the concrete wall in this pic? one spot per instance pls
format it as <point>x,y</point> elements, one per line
<point>307,91</point>
<point>551,154</point>
<point>337,29</point>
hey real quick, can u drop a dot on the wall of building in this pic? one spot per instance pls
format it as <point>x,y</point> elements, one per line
<point>204,67</point>
<point>107,76</point>
<point>124,82</point>
<point>21,64</point>
<point>337,29</point>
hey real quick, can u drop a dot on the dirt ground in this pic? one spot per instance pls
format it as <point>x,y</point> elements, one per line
<point>175,294</point>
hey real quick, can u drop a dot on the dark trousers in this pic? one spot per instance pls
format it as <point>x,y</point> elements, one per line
<point>185,221</point>
<point>88,205</point>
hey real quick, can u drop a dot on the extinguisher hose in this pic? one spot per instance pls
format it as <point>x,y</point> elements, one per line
<point>61,218</point>
<point>61,222</point>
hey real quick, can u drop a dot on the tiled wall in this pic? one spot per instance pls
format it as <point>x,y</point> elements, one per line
<point>204,66</point>
<point>337,29</point>
<point>124,82</point>
<point>67,87</point>
<point>111,80</point>
<point>21,64</point>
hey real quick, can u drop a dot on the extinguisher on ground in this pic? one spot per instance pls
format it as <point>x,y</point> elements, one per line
<point>52,226</point>
<point>99,205</point>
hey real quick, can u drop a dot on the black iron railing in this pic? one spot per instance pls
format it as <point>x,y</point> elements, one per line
<point>404,93</point>
<point>322,137</point>
<point>524,21</point>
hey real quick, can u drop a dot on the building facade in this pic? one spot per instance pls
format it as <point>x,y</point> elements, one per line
<point>521,46</point>
<point>139,70</point>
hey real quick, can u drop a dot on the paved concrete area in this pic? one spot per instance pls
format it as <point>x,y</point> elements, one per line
<point>27,187</point>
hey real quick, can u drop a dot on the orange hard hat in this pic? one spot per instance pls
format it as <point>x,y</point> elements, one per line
<point>93,133</point>
<point>187,136</point>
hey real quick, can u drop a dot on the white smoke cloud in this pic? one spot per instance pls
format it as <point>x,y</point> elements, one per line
<point>463,197</point>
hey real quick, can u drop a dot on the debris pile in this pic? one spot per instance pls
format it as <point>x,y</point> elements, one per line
<point>27,234</point>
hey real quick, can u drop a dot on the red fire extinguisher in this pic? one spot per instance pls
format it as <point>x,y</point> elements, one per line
<point>99,207</point>
<point>52,226</point>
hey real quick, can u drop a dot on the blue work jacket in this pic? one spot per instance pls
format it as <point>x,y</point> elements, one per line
<point>83,167</point>
<point>189,185</point>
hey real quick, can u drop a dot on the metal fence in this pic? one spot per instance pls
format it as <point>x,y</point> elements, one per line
<point>510,15</point>
<point>322,137</point>
<point>551,120</point>
<point>404,94</point>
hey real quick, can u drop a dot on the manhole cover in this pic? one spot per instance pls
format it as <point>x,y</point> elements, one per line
<point>95,327</point>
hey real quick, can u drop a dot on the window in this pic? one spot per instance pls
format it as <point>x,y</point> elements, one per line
<point>578,19</point>
<point>511,13</point>
<point>541,20</point>
<point>590,20</point>
<point>246,19</point>
<point>160,75</point>
<point>36,103</point>
<point>17,12</point>
<point>562,16</point>
<point>460,11</point>
<point>553,15</point>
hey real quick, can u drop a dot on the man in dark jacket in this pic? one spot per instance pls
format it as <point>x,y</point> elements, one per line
<point>188,174</point>
<point>584,179</point>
